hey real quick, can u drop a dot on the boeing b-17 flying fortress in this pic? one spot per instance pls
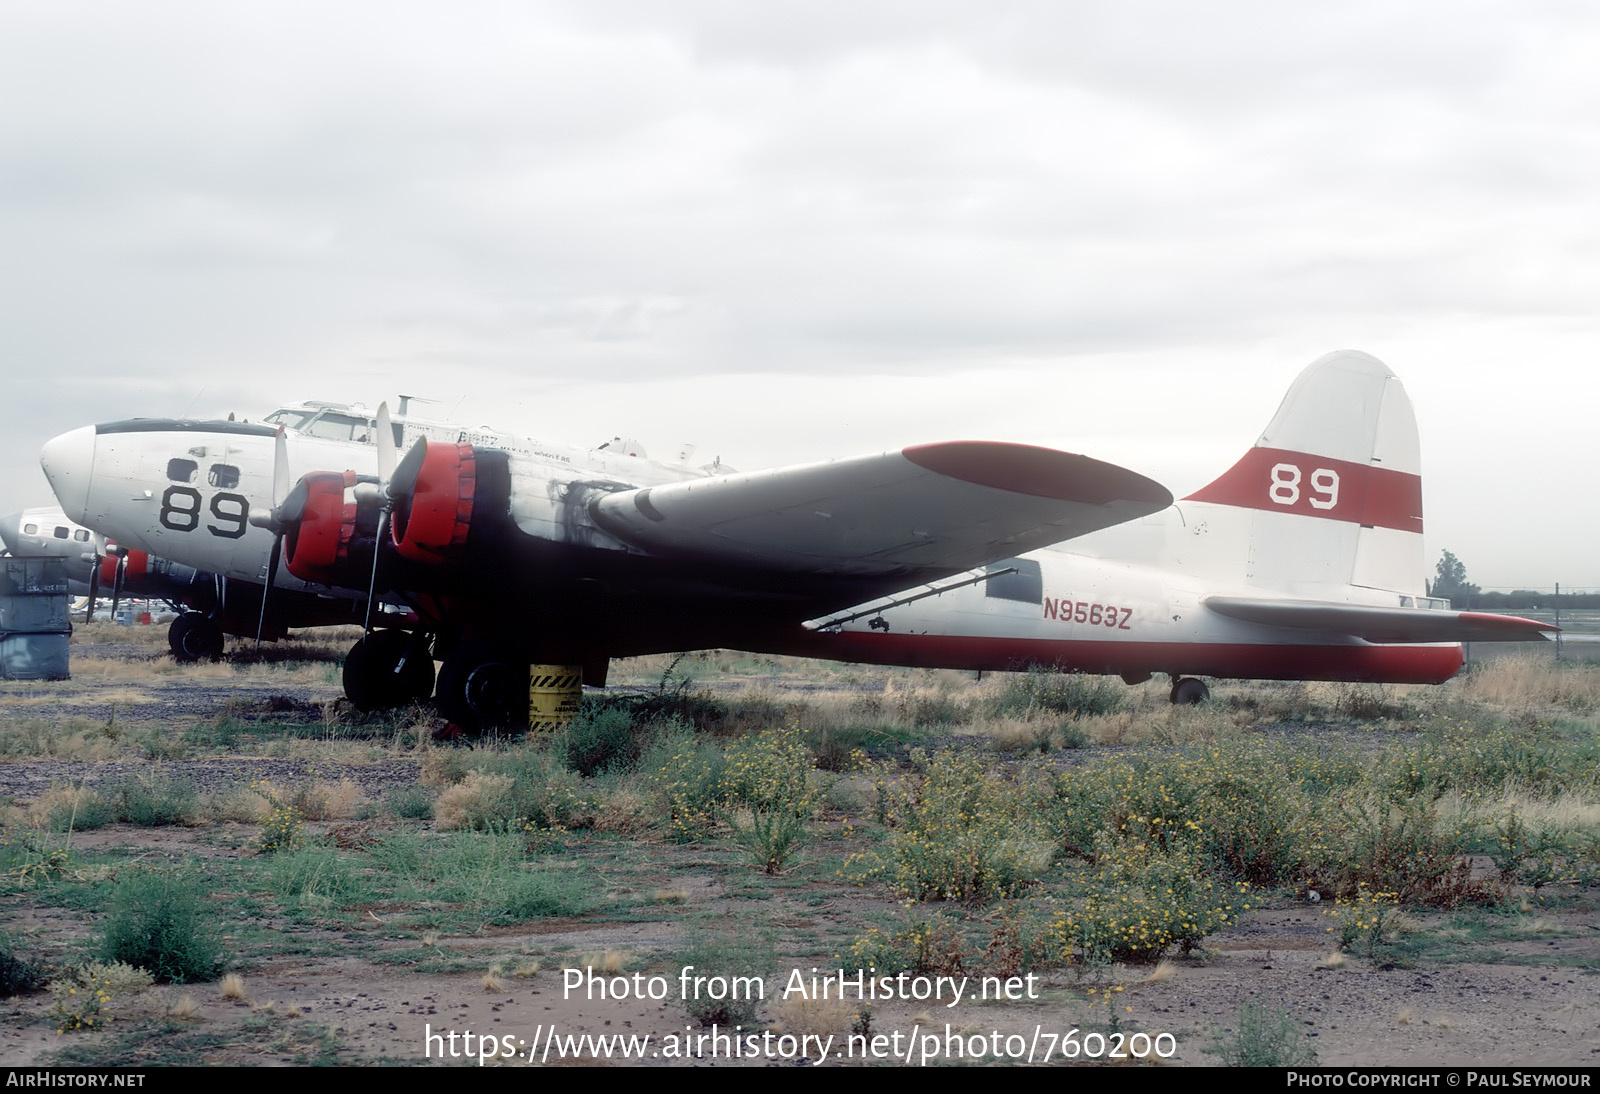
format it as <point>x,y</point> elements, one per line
<point>1302,561</point>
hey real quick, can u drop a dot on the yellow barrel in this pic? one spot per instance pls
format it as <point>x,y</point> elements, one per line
<point>553,695</point>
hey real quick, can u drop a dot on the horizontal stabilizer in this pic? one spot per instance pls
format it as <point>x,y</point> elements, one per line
<point>1382,625</point>
<point>934,507</point>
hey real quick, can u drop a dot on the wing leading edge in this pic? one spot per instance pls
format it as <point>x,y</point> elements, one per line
<point>935,507</point>
<point>1381,625</point>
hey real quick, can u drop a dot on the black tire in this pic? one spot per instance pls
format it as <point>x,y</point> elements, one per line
<point>1189,691</point>
<point>175,632</point>
<point>385,670</point>
<point>195,636</point>
<point>480,688</point>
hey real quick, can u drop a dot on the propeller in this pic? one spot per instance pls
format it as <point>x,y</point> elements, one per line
<point>392,482</point>
<point>116,584</point>
<point>288,503</point>
<point>94,574</point>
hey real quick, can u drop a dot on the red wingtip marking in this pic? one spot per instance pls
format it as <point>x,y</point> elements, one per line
<point>1509,622</point>
<point>1042,472</point>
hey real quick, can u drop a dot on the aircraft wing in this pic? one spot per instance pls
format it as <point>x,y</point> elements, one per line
<point>1381,625</point>
<point>945,507</point>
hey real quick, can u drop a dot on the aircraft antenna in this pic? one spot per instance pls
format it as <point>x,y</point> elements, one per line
<point>190,408</point>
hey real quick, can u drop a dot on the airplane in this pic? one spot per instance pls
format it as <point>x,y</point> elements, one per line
<point>1303,561</point>
<point>207,606</point>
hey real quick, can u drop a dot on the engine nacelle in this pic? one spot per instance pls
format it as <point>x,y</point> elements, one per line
<point>137,565</point>
<point>317,547</point>
<point>431,520</point>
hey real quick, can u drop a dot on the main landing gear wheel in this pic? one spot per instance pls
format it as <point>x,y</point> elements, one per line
<point>1189,691</point>
<point>389,668</point>
<point>481,688</point>
<point>195,636</point>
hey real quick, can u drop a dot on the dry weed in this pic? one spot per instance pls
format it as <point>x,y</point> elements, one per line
<point>815,1017</point>
<point>240,804</point>
<point>1164,970</point>
<point>186,1009</point>
<point>63,803</point>
<point>458,804</point>
<point>74,739</point>
<point>1013,734</point>
<point>1528,681</point>
<point>625,810</point>
<point>609,963</point>
<point>442,767</point>
<point>321,801</point>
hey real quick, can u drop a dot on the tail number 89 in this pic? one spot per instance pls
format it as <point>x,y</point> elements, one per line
<point>1286,484</point>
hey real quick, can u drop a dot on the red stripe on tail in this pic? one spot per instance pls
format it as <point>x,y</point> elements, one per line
<point>1277,481</point>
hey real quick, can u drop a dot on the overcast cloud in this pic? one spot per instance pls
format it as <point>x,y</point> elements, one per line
<point>792,231</point>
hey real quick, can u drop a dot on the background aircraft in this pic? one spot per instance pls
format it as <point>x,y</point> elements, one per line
<point>514,551</point>
<point>209,607</point>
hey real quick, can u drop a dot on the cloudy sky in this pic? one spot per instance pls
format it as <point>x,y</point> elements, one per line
<point>788,231</point>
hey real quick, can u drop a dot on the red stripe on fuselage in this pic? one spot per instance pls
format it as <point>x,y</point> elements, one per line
<point>1234,661</point>
<point>1278,481</point>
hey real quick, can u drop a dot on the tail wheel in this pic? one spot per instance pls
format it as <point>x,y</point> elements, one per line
<point>389,668</point>
<point>483,686</point>
<point>1189,691</point>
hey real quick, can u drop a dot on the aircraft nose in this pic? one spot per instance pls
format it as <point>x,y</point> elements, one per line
<point>11,532</point>
<point>68,462</point>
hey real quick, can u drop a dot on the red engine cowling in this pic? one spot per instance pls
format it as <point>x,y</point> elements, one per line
<point>137,566</point>
<point>430,524</point>
<point>317,546</point>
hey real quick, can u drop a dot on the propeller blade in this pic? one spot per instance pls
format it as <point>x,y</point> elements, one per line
<point>280,468</point>
<point>291,508</point>
<point>94,587</point>
<point>116,586</point>
<point>397,481</point>
<point>385,443</point>
<point>101,547</point>
<point>405,475</point>
<point>372,584</point>
<point>266,590</point>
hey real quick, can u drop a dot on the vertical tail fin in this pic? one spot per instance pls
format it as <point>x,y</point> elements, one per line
<point>1332,491</point>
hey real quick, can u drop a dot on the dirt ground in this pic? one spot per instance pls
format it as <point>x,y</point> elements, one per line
<point>1540,1011</point>
<point>357,992</point>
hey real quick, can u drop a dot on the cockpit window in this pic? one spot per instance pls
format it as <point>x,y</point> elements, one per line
<point>223,475</point>
<point>340,427</point>
<point>182,470</point>
<point>290,419</point>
